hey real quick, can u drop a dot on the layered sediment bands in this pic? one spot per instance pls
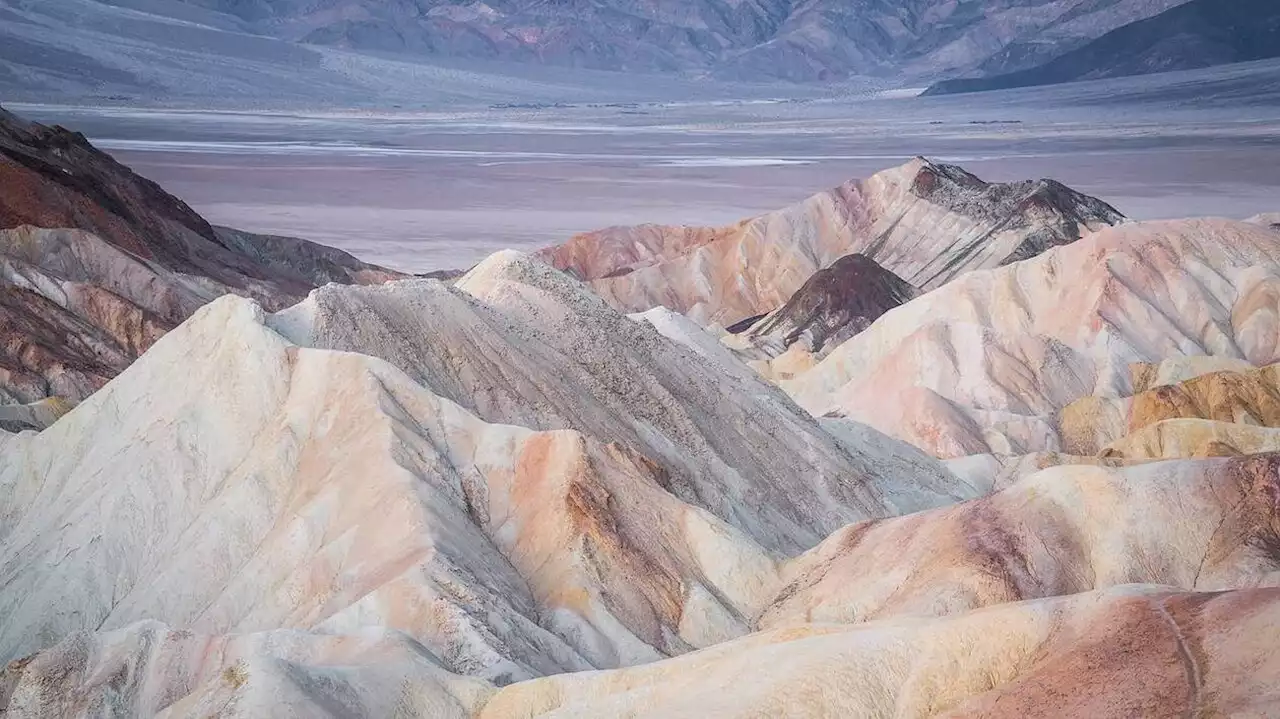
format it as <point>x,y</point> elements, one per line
<point>96,263</point>
<point>1176,438</point>
<point>925,222</point>
<point>1130,651</point>
<point>1209,408</point>
<point>988,362</point>
<point>1200,525</point>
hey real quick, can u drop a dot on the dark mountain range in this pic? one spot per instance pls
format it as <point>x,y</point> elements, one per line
<point>1201,33</point>
<point>798,40</point>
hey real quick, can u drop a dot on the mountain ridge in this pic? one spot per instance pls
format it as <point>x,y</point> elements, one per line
<point>1197,34</point>
<point>96,263</point>
<point>816,40</point>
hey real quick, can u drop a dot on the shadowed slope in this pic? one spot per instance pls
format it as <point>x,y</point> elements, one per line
<point>833,305</point>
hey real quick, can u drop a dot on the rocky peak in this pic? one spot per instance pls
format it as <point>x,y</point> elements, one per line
<point>835,304</point>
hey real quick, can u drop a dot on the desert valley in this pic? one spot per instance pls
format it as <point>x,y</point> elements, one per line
<point>968,447</point>
<point>940,440</point>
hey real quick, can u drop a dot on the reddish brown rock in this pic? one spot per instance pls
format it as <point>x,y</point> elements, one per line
<point>834,305</point>
<point>96,263</point>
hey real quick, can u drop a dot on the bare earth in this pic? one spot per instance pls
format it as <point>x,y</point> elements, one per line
<point>431,190</point>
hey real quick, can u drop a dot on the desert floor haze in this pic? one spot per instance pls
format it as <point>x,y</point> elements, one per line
<point>440,189</point>
<point>637,359</point>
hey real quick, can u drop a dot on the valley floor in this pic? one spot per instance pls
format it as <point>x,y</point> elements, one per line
<point>425,190</point>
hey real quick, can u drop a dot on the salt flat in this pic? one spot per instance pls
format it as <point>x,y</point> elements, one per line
<point>423,189</point>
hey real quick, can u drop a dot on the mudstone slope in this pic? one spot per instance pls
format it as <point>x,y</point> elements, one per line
<point>1029,478</point>
<point>96,263</point>
<point>925,222</point>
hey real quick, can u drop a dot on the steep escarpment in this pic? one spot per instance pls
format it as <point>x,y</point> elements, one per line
<point>925,222</point>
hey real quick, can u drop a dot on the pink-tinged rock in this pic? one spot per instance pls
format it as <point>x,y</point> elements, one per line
<point>1007,349</point>
<point>1204,525</point>
<point>925,222</point>
<point>1127,652</point>
<point>1137,650</point>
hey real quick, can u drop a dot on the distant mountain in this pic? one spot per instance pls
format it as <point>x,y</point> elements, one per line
<point>1201,33</point>
<point>796,40</point>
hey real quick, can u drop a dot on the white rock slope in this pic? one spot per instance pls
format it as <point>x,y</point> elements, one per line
<point>985,363</point>
<point>236,480</point>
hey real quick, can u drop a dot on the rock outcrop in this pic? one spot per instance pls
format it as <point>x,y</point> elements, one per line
<point>925,222</point>
<point>833,305</point>
<point>1243,396</point>
<point>96,263</point>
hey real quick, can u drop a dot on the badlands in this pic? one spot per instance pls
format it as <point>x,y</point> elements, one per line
<point>918,446</point>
